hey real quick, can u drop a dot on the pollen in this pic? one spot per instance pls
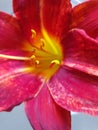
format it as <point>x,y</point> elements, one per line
<point>54,63</point>
<point>37,62</point>
<point>33,57</point>
<point>42,41</point>
<point>33,33</point>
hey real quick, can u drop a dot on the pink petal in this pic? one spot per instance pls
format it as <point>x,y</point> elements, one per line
<point>17,83</point>
<point>28,13</point>
<point>10,33</point>
<point>81,52</point>
<point>85,16</point>
<point>55,16</point>
<point>36,11</point>
<point>45,114</point>
<point>75,90</point>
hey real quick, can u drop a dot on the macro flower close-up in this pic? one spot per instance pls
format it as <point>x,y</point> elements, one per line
<point>49,60</point>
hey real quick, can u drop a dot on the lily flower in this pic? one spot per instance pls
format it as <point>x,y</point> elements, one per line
<point>49,60</point>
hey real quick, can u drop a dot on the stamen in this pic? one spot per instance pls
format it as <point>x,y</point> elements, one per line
<point>33,33</point>
<point>33,57</point>
<point>42,43</point>
<point>37,63</point>
<point>14,57</point>
<point>54,62</point>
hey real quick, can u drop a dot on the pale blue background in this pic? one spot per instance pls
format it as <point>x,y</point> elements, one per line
<point>16,120</point>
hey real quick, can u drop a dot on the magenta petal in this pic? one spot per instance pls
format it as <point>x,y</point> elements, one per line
<point>85,16</point>
<point>81,52</point>
<point>75,91</point>
<point>10,33</point>
<point>56,16</point>
<point>45,114</point>
<point>28,13</point>
<point>16,83</point>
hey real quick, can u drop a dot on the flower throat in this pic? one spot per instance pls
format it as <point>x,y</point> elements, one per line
<point>46,55</point>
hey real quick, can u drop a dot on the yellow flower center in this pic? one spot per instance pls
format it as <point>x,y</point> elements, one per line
<point>46,54</point>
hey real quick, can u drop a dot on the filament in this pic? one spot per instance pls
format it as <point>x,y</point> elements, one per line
<point>14,57</point>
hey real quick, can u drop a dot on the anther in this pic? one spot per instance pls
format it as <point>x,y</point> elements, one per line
<point>33,33</point>
<point>54,62</point>
<point>33,57</point>
<point>42,43</point>
<point>36,63</point>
